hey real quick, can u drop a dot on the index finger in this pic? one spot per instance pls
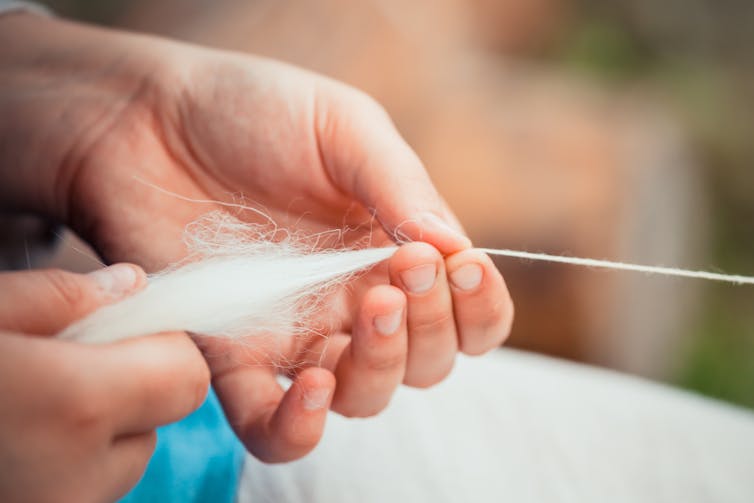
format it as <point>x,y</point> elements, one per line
<point>276,425</point>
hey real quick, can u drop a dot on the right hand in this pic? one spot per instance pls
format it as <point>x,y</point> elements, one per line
<point>77,422</point>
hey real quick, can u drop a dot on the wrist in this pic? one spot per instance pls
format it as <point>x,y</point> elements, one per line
<point>62,86</point>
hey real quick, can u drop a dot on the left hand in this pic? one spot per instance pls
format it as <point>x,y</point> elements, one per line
<point>77,422</point>
<point>316,155</point>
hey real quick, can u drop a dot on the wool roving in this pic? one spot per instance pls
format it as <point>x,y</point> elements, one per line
<point>238,280</point>
<point>247,279</point>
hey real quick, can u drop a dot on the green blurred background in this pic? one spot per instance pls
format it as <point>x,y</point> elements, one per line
<point>700,55</point>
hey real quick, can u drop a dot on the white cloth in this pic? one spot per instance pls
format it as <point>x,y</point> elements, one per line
<point>518,427</point>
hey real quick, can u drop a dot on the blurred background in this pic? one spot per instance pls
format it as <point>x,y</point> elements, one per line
<point>616,129</point>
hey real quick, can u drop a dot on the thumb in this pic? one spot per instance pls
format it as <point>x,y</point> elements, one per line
<point>368,159</point>
<point>46,301</point>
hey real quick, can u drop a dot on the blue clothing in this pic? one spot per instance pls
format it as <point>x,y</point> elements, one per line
<point>196,460</point>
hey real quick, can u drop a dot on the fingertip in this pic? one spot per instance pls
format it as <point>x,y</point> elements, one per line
<point>431,228</point>
<point>65,296</point>
<point>469,270</point>
<point>297,425</point>
<point>483,307</point>
<point>412,254</point>
<point>118,280</point>
<point>373,364</point>
<point>316,386</point>
<point>447,238</point>
<point>416,268</point>
<point>141,276</point>
<point>384,308</point>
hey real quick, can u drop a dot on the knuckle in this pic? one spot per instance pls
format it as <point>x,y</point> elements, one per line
<point>384,362</point>
<point>430,325</point>
<point>84,413</point>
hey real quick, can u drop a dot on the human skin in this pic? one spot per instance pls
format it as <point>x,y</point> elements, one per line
<point>77,422</point>
<point>96,119</point>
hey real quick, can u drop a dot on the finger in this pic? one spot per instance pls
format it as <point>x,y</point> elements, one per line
<point>419,270</point>
<point>482,306</point>
<point>150,381</point>
<point>277,426</point>
<point>126,462</point>
<point>46,301</point>
<point>366,157</point>
<point>374,363</point>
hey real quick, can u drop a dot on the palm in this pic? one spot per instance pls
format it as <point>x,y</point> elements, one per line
<point>213,141</point>
<point>216,141</point>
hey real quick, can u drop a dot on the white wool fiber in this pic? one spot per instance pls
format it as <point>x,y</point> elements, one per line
<point>247,279</point>
<point>238,281</point>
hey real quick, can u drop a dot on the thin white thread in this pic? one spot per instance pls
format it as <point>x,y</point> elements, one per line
<point>239,280</point>
<point>607,264</point>
<point>402,238</point>
<point>224,204</point>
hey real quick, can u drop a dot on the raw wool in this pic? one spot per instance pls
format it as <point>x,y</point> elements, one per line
<point>245,279</point>
<point>238,280</point>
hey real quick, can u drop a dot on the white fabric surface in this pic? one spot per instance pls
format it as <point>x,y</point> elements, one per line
<point>517,427</point>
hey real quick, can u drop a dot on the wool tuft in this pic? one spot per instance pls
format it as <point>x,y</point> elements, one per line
<point>239,279</point>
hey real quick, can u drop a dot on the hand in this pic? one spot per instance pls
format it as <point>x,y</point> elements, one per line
<point>77,422</point>
<point>316,155</point>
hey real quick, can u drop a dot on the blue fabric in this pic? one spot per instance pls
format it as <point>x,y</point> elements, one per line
<point>196,460</point>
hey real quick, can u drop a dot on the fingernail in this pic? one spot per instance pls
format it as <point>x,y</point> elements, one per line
<point>432,220</point>
<point>419,279</point>
<point>387,324</point>
<point>316,399</point>
<point>115,281</point>
<point>467,277</point>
